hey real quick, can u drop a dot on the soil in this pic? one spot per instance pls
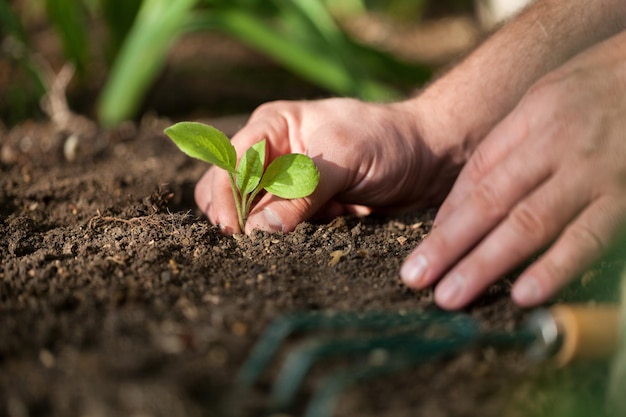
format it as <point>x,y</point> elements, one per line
<point>118,298</point>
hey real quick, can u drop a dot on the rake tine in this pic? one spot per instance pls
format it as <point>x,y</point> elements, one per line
<point>325,398</point>
<point>414,352</point>
<point>281,328</point>
<point>300,360</point>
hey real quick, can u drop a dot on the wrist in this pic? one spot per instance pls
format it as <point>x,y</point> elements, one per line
<point>443,142</point>
<point>442,125</point>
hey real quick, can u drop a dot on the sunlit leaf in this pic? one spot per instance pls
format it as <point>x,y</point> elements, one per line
<point>205,143</point>
<point>291,176</point>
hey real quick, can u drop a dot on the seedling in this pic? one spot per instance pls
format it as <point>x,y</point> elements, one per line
<point>288,176</point>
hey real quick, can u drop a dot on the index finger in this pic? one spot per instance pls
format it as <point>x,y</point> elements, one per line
<point>483,208</point>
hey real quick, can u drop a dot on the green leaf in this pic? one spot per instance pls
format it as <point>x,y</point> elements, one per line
<point>251,168</point>
<point>10,23</point>
<point>68,18</point>
<point>119,17</point>
<point>291,176</point>
<point>141,57</point>
<point>314,65</point>
<point>205,143</point>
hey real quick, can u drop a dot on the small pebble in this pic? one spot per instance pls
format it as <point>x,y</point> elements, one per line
<point>70,148</point>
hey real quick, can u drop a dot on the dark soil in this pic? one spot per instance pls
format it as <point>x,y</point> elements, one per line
<point>118,298</point>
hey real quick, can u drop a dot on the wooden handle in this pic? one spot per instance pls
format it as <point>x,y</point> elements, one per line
<point>588,331</point>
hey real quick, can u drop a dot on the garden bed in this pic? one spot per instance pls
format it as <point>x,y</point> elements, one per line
<point>118,298</point>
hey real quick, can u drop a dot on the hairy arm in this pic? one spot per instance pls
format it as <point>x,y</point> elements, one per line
<point>460,108</point>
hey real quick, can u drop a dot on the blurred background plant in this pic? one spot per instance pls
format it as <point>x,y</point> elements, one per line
<point>130,40</point>
<point>21,83</point>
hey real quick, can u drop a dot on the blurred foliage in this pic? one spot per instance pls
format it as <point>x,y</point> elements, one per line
<point>69,19</point>
<point>119,17</point>
<point>21,81</point>
<point>141,56</point>
<point>406,11</point>
<point>576,391</point>
<point>301,35</point>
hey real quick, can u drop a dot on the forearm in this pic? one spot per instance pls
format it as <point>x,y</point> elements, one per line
<point>463,105</point>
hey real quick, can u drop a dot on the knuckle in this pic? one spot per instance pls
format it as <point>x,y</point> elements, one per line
<point>268,108</point>
<point>551,84</point>
<point>586,238</point>
<point>489,198</point>
<point>263,108</point>
<point>527,221</point>
<point>478,165</point>
<point>540,88</point>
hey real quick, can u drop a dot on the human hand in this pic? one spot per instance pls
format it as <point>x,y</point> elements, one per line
<point>370,157</point>
<point>550,175</point>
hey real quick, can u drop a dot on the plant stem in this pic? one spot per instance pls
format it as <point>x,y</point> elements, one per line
<point>250,200</point>
<point>237,198</point>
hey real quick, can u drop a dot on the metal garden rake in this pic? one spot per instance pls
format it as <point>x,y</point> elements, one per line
<point>387,342</point>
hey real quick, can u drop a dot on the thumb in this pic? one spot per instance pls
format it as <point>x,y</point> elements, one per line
<point>277,215</point>
<point>274,214</point>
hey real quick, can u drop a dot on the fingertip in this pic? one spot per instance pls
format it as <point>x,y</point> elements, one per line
<point>226,220</point>
<point>273,214</point>
<point>450,294</point>
<point>527,292</point>
<point>228,230</point>
<point>267,220</point>
<point>214,197</point>
<point>413,271</point>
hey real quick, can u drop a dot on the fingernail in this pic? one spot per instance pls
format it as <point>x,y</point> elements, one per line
<point>413,272</point>
<point>267,220</point>
<point>225,229</point>
<point>526,291</point>
<point>450,289</point>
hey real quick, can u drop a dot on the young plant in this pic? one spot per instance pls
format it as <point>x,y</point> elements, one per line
<point>288,176</point>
